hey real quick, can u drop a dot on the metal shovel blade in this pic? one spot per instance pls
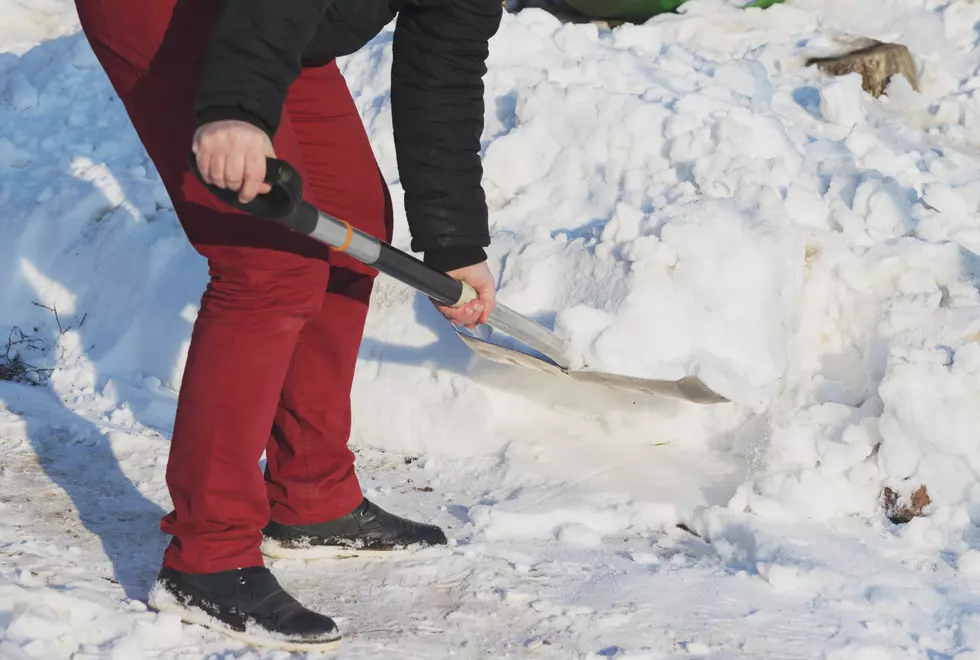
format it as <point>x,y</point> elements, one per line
<point>689,388</point>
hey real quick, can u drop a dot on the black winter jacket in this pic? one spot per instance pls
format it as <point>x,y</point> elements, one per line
<point>440,48</point>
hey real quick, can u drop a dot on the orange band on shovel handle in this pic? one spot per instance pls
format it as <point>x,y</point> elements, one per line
<point>350,237</point>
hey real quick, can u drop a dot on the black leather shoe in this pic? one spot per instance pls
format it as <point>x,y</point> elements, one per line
<point>247,604</point>
<point>366,529</point>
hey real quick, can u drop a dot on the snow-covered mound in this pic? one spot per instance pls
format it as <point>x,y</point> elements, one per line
<point>688,197</point>
<point>680,197</point>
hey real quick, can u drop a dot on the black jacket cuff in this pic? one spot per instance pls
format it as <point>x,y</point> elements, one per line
<point>209,115</point>
<point>454,258</point>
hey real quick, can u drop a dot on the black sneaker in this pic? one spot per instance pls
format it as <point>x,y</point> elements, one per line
<point>367,530</point>
<point>247,604</point>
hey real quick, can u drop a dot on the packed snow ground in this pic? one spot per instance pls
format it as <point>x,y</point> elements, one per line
<point>680,197</point>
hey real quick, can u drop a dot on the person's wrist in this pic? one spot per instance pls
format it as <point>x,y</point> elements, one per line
<point>454,258</point>
<point>212,115</point>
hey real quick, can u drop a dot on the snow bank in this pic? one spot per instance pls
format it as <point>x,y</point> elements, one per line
<point>674,198</point>
<point>23,23</point>
<point>680,197</point>
<point>808,250</point>
<point>88,231</point>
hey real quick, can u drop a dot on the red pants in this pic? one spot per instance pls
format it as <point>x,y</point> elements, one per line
<point>274,347</point>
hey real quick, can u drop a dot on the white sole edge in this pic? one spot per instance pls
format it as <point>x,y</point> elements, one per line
<point>275,550</point>
<point>166,603</point>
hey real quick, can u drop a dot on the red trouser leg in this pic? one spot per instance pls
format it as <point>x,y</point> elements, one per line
<point>266,286</point>
<point>251,316</point>
<point>309,469</point>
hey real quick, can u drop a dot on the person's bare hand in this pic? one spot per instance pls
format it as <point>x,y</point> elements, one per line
<point>478,310</point>
<point>231,154</point>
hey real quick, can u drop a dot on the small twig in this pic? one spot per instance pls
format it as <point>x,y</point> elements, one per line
<point>31,341</point>
<point>687,529</point>
<point>53,310</point>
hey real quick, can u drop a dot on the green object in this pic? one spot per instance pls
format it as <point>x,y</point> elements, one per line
<point>638,10</point>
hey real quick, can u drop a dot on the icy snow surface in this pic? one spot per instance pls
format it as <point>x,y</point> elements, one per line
<point>680,197</point>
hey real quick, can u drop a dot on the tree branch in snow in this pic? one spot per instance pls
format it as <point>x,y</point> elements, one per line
<point>53,310</point>
<point>14,367</point>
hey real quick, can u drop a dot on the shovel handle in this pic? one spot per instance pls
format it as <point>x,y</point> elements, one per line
<point>284,204</point>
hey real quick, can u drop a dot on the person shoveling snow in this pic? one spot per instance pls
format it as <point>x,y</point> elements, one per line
<point>253,91</point>
<point>276,341</point>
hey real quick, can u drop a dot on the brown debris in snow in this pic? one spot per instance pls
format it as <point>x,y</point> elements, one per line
<point>902,511</point>
<point>877,63</point>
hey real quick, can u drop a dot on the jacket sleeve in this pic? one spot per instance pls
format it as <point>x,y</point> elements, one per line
<point>255,54</point>
<point>439,59</point>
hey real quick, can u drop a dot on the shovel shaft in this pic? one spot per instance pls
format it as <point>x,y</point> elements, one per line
<point>284,204</point>
<point>391,261</point>
<point>433,283</point>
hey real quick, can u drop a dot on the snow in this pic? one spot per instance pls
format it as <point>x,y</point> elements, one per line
<point>681,197</point>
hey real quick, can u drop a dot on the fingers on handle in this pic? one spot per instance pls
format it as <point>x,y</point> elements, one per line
<point>235,170</point>
<point>204,166</point>
<point>487,310</point>
<point>460,315</point>
<point>252,180</point>
<point>217,170</point>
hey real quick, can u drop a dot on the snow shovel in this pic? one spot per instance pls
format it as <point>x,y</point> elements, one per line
<point>284,204</point>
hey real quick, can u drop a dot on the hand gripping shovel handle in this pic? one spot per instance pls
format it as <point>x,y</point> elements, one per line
<point>284,204</point>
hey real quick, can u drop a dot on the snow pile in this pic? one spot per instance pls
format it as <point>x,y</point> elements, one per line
<point>807,250</point>
<point>23,23</point>
<point>89,232</point>
<point>682,197</point>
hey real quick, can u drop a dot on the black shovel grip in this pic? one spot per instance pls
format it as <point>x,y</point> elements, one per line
<point>283,204</point>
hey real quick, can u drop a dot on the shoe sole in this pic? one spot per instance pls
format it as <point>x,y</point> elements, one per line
<point>275,550</point>
<point>162,601</point>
